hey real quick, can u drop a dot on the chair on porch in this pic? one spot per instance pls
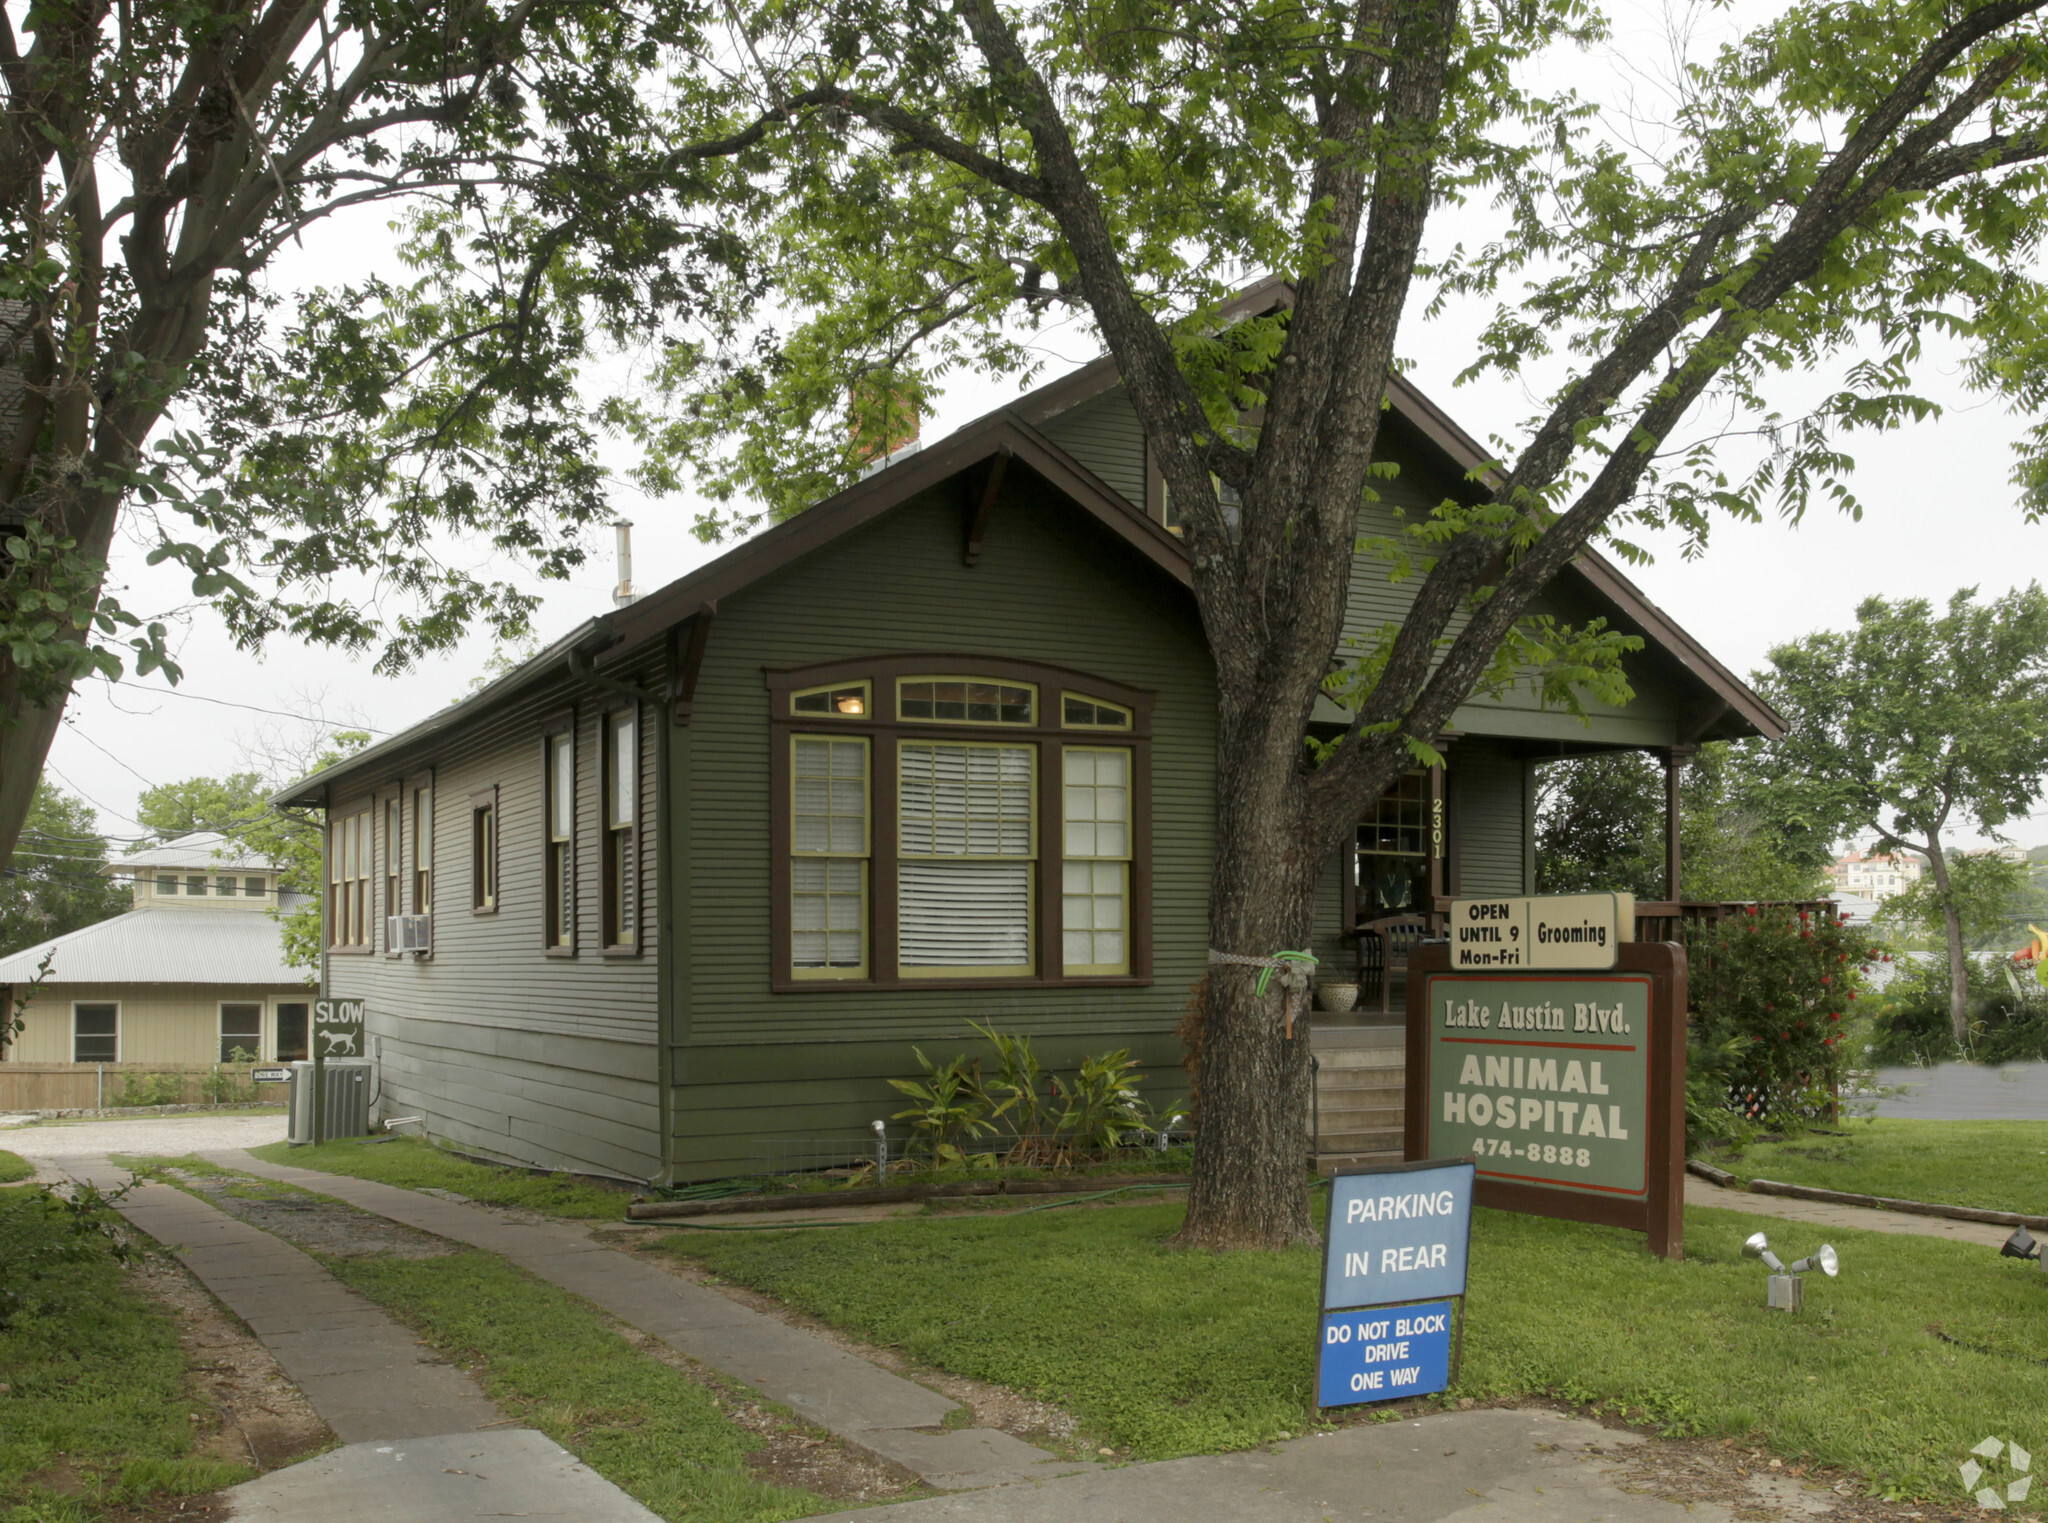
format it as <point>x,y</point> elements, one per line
<point>1384,947</point>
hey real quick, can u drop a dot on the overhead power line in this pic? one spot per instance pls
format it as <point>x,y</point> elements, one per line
<point>254,708</point>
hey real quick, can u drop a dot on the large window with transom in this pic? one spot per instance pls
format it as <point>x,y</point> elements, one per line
<point>958,821</point>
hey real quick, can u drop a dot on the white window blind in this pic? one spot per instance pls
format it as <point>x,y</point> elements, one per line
<point>1095,877</point>
<point>828,862</point>
<point>965,844</point>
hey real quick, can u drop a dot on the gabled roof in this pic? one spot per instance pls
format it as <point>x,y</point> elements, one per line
<point>1000,436</point>
<point>199,851</point>
<point>163,946</point>
<point>1011,433</point>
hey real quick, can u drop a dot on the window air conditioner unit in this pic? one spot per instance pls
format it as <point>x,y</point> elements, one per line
<point>409,933</point>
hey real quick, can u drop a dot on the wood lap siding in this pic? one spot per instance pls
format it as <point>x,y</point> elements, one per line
<point>1489,803</point>
<point>755,1066</point>
<point>1104,435</point>
<point>510,1053</point>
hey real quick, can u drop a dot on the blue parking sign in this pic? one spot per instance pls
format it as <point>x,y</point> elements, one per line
<point>1384,1352</point>
<point>1393,1281</point>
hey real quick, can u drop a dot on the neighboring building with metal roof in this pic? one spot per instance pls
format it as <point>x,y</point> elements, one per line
<point>192,974</point>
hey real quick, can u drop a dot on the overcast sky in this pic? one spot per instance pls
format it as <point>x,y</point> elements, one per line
<point>1939,515</point>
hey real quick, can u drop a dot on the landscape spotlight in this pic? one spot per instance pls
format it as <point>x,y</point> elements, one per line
<point>1786,1291</point>
<point>2021,1245</point>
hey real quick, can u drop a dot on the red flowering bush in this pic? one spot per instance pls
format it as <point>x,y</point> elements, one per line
<point>1770,987</point>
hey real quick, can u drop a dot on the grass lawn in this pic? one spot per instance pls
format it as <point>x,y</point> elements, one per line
<point>13,1167</point>
<point>414,1163</point>
<point>1167,1353</point>
<point>554,1362</point>
<point>94,1413</point>
<point>1997,1165</point>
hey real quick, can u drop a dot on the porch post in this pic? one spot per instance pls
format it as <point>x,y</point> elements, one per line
<point>1675,758</point>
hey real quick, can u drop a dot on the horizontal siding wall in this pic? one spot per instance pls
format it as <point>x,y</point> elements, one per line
<point>508,1051</point>
<point>760,1067</point>
<point>159,1023</point>
<point>1104,435</point>
<point>1489,818</point>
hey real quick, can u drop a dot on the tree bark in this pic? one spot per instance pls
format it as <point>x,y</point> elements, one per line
<point>1952,925</point>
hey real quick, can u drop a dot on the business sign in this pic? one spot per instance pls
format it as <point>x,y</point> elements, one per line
<point>1566,1089</point>
<point>337,1028</point>
<point>1393,1281</point>
<point>1541,933</point>
<point>278,1075</point>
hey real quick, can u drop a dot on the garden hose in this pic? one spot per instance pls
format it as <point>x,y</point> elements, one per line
<point>1050,1205</point>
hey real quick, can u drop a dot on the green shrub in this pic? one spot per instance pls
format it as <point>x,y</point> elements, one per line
<point>149,1089</point>
<point>1771,988</point>
<point>2008,1010</point>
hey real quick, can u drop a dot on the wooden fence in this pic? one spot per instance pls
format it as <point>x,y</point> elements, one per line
<point>100,1086</point>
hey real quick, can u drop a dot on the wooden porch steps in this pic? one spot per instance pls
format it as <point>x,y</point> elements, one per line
<point>1360,1071</point>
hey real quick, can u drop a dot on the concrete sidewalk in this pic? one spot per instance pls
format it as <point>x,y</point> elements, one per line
<point>411,1424</point>
<point>1456,1467</point>
<point>866,1406</point>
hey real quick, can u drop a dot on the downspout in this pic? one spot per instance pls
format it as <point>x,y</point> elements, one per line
<point>580,667</point>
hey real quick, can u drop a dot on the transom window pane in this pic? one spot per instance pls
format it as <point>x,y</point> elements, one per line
<point>851,701</point>
<point>964,881</point>
<point>1081,713</point>
<point>961,700</point>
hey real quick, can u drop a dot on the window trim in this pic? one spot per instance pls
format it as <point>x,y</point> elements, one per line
<point>483,882</point>
<point>262,1023</point>
<point>390,827</point>
<point>555,896</point>
<point>886,732</point>
<point>362,806</point>
<point>609,894</point>
<point>1100,703</point>
<point>118,1025</point>
<point>416,787</point>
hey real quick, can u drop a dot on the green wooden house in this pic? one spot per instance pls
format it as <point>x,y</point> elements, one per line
<point>675,898</point>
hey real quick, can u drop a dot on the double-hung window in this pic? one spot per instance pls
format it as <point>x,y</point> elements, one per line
<point>348,881</point>
<point>560,887</point>
<point>423,850</point>
<point>393,864</point>
<point>965,822</point>
<point>483,851</point>
<point>965,813</point>
<point>829,850</point>
<point>621,829</point>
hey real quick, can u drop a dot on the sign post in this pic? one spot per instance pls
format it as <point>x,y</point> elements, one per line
<point>337,1028</point>
<point>1564,1080</point>
<point>1394,1281</point>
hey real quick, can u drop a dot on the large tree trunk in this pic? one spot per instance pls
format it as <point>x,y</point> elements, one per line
<point>1250,1183</point>
<point>1952,924</point>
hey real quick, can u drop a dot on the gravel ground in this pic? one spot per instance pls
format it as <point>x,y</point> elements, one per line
<point>53,1141</point>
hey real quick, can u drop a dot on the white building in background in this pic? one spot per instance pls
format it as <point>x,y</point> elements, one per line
<point>1875,875</point>
<point>193,973</point>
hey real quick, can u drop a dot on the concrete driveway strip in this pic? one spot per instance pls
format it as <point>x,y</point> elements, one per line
<point>866,1406</point>
<point>1492,1466</point>
<point>451,1479</point>
<point>368,1377</point>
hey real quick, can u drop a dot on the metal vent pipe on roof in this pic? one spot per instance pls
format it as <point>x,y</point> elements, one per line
<point>624,593</point>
